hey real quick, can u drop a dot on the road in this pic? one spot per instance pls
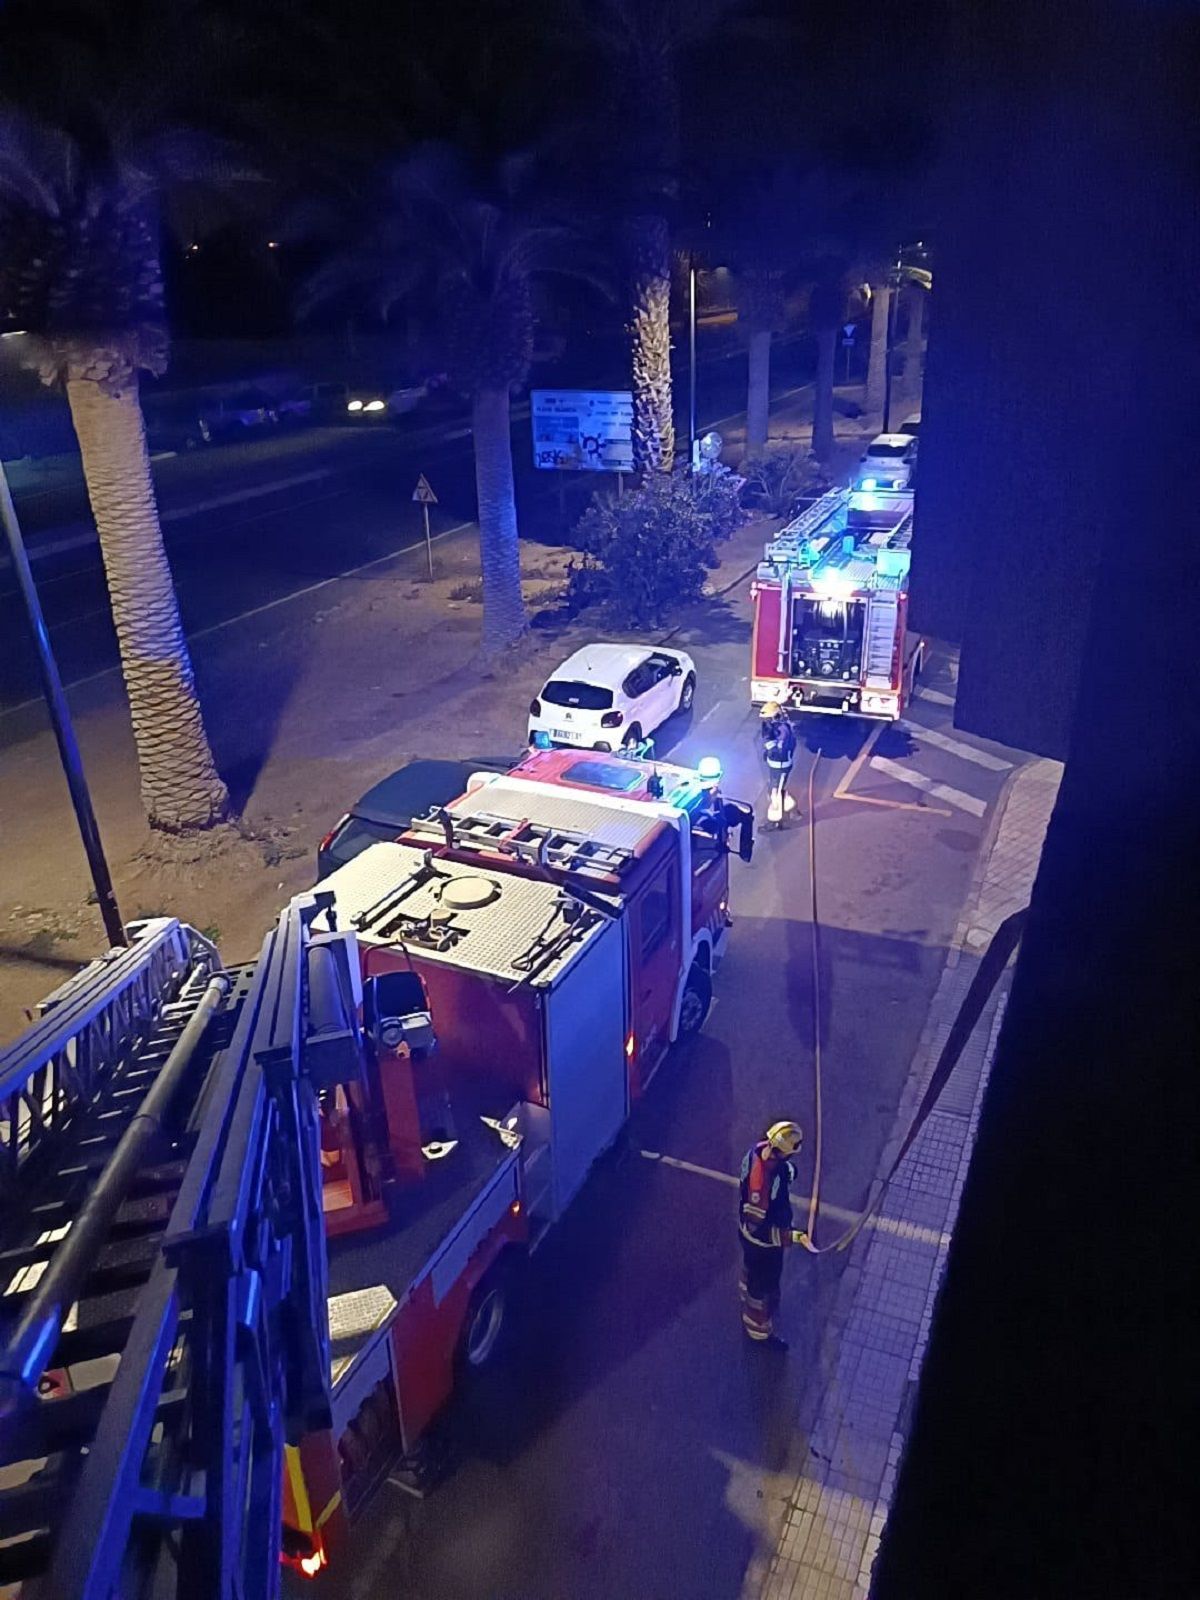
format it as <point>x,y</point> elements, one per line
<point>634,1446</point>
<point>250,523</point>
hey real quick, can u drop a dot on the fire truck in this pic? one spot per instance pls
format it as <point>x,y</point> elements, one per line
<point>258,1223</point>
<point>830,601</point>
<point>527,955</point>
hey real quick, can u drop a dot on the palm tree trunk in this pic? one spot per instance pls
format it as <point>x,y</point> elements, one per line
<point>650,332</point>
<point>881,300</point>
<point>758,395</point>
<point>180,786</point>
<point>913,342</point>
<point>822,437</point>
<point>499,550</point>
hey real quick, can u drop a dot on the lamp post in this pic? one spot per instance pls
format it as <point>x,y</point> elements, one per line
<point>60,720</point>
<point>692,359</point>
<point>891,334</point>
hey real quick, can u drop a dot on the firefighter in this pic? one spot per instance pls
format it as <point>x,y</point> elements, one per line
<point>779,751</point>
<point>765,1225</point>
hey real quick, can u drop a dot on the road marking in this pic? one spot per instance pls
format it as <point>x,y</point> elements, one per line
<point>254,611</point>
<point>842,792</point>
<point>965,752</point>
<point>941,791</point>
<point>907,1230</point>
<point>935,696</point>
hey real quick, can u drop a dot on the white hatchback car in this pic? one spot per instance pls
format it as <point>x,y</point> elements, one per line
<point>607,696</point>
<point>889,462</point>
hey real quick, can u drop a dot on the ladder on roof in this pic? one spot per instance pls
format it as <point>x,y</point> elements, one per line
<point>538,843</point>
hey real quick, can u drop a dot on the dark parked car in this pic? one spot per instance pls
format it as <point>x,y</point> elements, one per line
<point>413,790</point>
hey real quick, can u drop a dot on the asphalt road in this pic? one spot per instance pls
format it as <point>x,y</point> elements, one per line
<point>249,523</point>
<point>632,1444</point>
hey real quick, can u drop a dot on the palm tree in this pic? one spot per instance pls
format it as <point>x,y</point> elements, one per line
<point>641,42</point>
<point>465,254</point>
<point>80,271</point>
<point>826,307</point>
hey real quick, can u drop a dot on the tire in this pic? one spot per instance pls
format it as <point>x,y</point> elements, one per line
<point>633,736</point>
<point>688,693</point>
<point>488,1318</point>
<point>697,998</point>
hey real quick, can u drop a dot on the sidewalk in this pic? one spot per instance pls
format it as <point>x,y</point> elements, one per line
<point>845,1463</point>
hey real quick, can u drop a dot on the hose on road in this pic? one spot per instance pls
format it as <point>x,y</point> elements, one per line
<point>991,967</point>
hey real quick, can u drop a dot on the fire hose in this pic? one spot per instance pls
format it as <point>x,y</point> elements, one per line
<point>991,967</point>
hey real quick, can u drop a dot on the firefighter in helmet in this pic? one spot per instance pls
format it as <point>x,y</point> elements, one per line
<point>765,1226</point>
<point>779,752</point>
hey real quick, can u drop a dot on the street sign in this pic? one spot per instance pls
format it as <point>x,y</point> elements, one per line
<point>582,430</point>
<point>423,494</point>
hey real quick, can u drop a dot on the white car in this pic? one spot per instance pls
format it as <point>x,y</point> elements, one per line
<point>608,696</point>
<point>889,462</point>
<point>377,405</point>
<point>911,426</point>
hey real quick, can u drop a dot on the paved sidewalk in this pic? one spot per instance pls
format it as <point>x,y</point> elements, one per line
<point>836,1511</point>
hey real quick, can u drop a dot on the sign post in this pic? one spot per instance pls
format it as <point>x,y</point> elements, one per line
<point>848,330</point>
<point>425,497</point>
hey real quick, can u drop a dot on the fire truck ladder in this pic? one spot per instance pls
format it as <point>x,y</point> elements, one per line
<point>162,1303</point>
<point>536,842</point>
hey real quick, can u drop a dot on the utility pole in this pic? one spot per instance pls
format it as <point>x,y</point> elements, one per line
<point>60,721</point>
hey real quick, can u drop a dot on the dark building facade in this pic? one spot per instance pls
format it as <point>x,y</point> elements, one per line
<point>1054,1448</point>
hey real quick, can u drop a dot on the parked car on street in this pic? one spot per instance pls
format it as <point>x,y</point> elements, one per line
<point>611,696</point>
<point>387,808</point>
<point>911,426</point>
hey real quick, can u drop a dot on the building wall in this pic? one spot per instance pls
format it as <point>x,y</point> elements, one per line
<point>1053,1447</point>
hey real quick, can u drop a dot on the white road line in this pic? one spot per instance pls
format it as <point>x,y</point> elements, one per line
<point>965,752</point>
<point>908,1230</point>
<point>255,611</point>
<point>941,791</point>
<point>935,696</point>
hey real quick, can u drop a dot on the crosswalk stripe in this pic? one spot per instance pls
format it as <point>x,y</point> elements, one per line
<point>935,696</point>
<point>941,791</point>
<point>965,752</point>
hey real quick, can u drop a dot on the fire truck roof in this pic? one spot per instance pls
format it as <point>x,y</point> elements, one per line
<point>606,818</point>
<point>462,914</point>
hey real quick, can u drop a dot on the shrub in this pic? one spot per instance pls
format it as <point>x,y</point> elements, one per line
<point>779,475</point>
<point>647,554</point>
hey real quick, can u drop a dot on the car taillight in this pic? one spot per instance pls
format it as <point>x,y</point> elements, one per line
<point>333,833</point>
<point>611,719</point>
<point>535,708</point>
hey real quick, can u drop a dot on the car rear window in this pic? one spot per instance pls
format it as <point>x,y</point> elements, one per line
<point>357,836</point>
<point>605,775</point>
<point>579,696</point>
<point>888,450</point>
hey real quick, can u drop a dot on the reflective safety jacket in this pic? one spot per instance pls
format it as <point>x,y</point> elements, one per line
<point>779,745</point>
<point>765,1207</point>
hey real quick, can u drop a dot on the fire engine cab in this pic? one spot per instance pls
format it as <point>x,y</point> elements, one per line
<point>524,958</point>
<point>830,603</point>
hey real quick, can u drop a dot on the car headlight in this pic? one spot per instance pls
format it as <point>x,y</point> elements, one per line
<point>354,405</point>
<point>375,405</point>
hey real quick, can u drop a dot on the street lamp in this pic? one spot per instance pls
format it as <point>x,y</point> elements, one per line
<point>692,360</point>
<point>60,719</point>
<point>891,334</point>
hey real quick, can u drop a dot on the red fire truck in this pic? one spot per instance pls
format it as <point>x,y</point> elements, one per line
<point>830,605</point>
<point>524,959</point>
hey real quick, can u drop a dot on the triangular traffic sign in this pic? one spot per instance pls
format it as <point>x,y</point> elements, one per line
<point>423,494</point>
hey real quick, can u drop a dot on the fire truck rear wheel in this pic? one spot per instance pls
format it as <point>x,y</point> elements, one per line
<point>697,997</point>
<point>488,1317</point>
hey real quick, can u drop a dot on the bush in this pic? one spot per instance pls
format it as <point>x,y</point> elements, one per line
<point>647,554</point>
<point>779,475</point>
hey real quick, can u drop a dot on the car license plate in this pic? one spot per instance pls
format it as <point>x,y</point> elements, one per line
<point>565,734</point>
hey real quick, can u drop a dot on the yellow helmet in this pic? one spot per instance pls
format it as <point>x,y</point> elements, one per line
<point>771,709</point>
<point>786,1137</point>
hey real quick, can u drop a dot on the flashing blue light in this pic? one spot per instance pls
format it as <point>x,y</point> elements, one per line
<point>870,483</point>
<point>541,740</point>
<point>709,769</point>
